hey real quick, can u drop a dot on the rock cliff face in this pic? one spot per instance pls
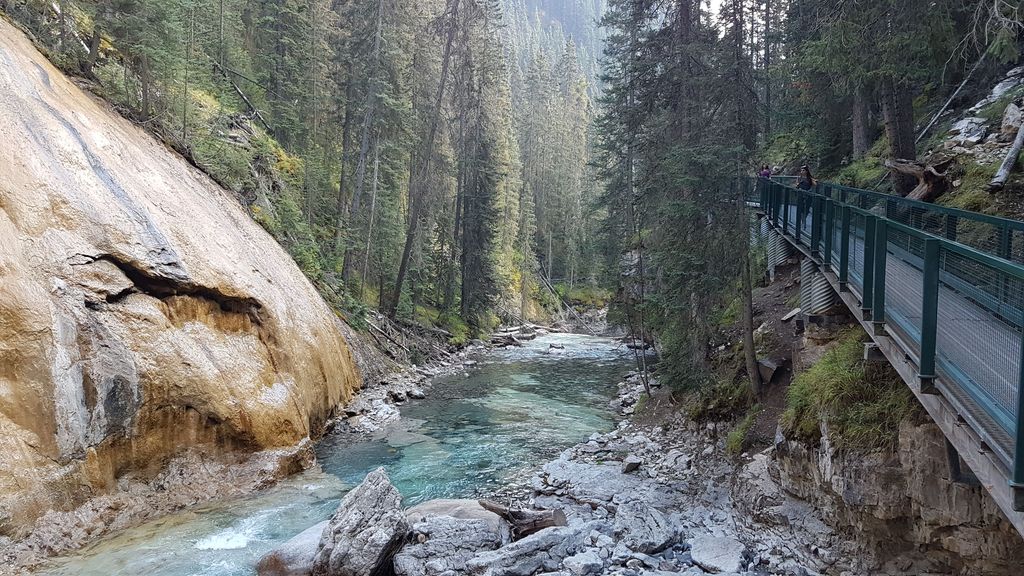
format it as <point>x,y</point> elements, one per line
<point>905,514</point>
<point>141,310</point>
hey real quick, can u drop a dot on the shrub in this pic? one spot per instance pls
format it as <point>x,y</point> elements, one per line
<point>736,440</point>
<point>862,403</point>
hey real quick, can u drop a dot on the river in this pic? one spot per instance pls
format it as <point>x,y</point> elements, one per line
<point>475,435</point>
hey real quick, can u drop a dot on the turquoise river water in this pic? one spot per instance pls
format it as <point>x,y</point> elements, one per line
<point>471,437</point>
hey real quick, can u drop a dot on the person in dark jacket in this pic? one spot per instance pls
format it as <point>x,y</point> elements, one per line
<point>806,181</point>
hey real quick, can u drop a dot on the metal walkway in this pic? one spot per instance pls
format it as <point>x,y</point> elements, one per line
<point>941,291</point>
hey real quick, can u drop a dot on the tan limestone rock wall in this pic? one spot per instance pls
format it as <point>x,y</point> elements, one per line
<point>902,504</point>
<point>141,310</point>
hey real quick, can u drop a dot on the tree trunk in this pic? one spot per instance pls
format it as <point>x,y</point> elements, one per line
<point>364,142</point>
<point>930,181</point>
<point>416,187</point>
<point>94,51</point>
<point>341,211</point>
<point>470,196</point>
<point>861,122</point>
<point>369,225</point>
<point>526,522</point>
<point>146,80</point>
<point>898,110</point>
<point>460,183</point>
<point>1006,167</point>
<point>767,70</point>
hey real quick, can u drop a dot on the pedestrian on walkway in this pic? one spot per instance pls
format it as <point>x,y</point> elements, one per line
<point>806,181</point>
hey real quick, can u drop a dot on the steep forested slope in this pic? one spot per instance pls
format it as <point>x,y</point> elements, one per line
<point>388,144</point>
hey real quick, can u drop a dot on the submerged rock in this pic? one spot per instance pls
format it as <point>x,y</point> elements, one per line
<point>294,557</point>
<point>366,531</point>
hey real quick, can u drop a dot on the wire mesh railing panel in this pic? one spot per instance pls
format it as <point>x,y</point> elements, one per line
<point>806,218</point>
<point>837,242</point>
<point>904,285</point>
<point>856,257</point>
<point>978,336</point>
<point>992,235</point>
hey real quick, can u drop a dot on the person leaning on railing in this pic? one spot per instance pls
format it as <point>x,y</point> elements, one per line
<point>806,181</point>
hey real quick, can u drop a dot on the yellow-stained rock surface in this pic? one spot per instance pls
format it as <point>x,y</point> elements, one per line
<point>141,310</point>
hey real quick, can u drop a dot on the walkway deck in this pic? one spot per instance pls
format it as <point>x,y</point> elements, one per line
<point>978,325</point>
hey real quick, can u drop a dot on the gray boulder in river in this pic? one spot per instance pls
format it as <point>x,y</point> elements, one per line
<point>442,545</point>
<point>365,532</point>
<point>294,557</point>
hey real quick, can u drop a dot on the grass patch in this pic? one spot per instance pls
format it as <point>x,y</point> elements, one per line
<point>641,404</point>
<point>972,194</point>
<point>729,315</point>
<point>864,173</point>
<point>862,403</point>
<point>721,400</point>
<point>589,297</point>
<point>455,325</point>
<point>994,111</point>
<point>736,441</point>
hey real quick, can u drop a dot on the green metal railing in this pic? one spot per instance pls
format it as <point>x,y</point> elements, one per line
<point>947,285</point>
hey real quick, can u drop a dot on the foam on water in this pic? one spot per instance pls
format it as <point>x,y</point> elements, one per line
<point>226,540</point>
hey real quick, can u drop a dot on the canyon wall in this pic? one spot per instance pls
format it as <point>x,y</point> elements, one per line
<point>141,310</point>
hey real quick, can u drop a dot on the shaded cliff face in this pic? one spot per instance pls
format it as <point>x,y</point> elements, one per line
<point>141,309</point>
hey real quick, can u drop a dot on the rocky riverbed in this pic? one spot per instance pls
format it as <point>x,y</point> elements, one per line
<point>639,500</point>
<point>660,497</point>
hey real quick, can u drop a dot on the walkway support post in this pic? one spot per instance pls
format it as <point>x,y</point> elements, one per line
<point>801,213</point>
<point>878,292</point>
<point>816,203</point>
<point>785,210</point>
<point>866,301</point>
<point>1017,479</point>
<point>830,226</point>
<point>951,222</point>
<point>776,204</point>
<point>929,316</point>
<point>844,250</point>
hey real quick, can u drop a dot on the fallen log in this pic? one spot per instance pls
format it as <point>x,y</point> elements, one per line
<point>1006,167</point>
<point>931,179</point>
<point>507,340</point>
<point>526,522</point>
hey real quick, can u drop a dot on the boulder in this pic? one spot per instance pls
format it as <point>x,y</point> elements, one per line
<point>631,463</point>
<point>366,531</point>
<point>600,484</point>
<point>642,528</point>
<point>541,551</point>
<point>1011,122</point>
<point>969,131</point>
<point>461,509</point>
<point>443,545</point>
<point>717,554</point>
<point>584,563</point>
<point>294,557</point>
